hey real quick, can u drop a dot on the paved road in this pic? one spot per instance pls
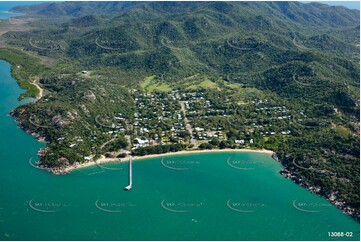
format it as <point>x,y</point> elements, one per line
<point>188,125</point>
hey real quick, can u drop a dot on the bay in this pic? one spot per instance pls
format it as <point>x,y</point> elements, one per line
<point>6,6</point>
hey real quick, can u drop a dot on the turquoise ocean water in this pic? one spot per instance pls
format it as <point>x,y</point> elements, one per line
<point>6,6</point>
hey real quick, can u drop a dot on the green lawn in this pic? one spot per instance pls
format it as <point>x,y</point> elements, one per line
<point>150,85</point>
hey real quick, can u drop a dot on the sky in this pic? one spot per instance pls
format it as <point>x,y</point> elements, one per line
<point>348,4</point>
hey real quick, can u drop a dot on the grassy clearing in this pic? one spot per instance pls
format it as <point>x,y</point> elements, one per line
<point>248,91</point>
<point>150,85</point>
<point>233,85</point>
<point>342,131</point>
<point>206,83</point>
<point>147,81</point>
<point>162,87</point>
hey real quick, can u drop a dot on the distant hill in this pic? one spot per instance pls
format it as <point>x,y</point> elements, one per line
<point>75,9</point>
<point>310,13</point>
<point>84,21</point>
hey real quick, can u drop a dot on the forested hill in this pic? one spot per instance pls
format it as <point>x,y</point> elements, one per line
<point>310,13</point>
<point>268,43</point>
<point>75,8</point>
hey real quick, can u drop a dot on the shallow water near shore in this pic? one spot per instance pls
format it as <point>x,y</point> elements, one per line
<point>6,6</point>
<point>214,196</point>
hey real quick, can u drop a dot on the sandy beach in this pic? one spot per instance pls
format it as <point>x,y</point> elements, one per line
<point>41,90</point>
<point>104,160</point>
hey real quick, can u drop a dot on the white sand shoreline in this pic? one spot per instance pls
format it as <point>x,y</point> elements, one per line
<point>104,160</point>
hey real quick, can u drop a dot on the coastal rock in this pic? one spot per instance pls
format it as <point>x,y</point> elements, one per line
<point>41,152</point>
<point>64,161</point>
<point>59,121</point>
<point>274,156</point>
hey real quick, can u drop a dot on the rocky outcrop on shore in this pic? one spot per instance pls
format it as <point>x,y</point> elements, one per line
<point>330,196</point>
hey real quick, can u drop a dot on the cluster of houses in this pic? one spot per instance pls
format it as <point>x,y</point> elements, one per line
<point>157,119</point>
<point>197,105</point>
<point>162,118</point>
<point>158,110</point>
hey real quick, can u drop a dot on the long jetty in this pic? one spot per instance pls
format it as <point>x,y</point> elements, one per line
<point>127,188</point>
